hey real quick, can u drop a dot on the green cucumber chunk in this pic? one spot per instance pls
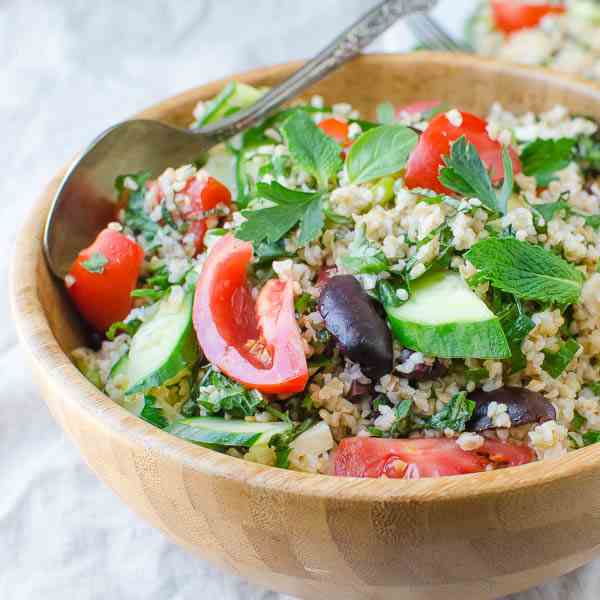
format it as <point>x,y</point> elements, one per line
<point>445,318</point>
<point>226,432</point>
<point>163,346</point>
<point>232,97</point>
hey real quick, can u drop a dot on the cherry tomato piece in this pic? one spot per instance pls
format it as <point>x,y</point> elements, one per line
<point>102,277</point>
<point>423,167</point>
<point>336,129</point>
<point>513,15</point>
<point>423,457</point>
<point>257,344</point>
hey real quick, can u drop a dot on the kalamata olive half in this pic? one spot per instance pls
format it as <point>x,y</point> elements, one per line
<point>351,317</point>
<point>522,405</point>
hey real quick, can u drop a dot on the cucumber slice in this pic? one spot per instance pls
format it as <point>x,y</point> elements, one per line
<point>445,318</point>
<point>162,346</point>
<point>233,96</point>
<point>221,165</point>
<point>120,367</point>
<point>223,432</point>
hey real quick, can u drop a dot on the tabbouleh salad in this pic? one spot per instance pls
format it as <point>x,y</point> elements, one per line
<point>562,35</point>
<point>413,297</point>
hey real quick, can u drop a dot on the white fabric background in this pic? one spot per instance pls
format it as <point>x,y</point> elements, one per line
<point>68,69</point>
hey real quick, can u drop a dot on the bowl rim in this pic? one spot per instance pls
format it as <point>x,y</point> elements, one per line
<point>58,371</point>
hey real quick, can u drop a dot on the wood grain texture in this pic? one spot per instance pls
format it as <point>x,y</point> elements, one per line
<point>472,536</point>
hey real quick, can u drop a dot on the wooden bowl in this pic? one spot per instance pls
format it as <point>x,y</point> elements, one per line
<point>471,536</point>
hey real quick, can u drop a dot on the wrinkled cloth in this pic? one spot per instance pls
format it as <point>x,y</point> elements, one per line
<point>71,68</point>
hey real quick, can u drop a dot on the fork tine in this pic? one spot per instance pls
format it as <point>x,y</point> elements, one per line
<point>431,35</point>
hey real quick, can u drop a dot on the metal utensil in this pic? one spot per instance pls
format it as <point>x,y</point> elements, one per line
<point>433,36</point>
<point>82,205</point>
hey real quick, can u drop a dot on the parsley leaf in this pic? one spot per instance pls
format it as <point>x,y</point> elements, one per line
<point>543,158</point>
<point>311,148</point>
<point>292,207</point>
<point>380,151</point>
<point>364,256</point>
<point>218,394</point>
<point>556,362</point>
<point>453,415</point>
<point>466,174</point>
<point>526,271</point>
<point>122,327</point>
<point>95,263</point>
<point>153,414</point>
<point>516,326</point>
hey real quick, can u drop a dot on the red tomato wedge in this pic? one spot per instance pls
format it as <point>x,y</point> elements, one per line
<point>257,344</point>
<point>424,457</point>
<point>102,277</point>
<point>336,129</point>
<point>421,106</point>
<point>513,15</point>
<point>423,168</point>
<point>205,195</point>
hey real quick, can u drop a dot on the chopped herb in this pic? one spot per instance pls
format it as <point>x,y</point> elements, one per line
<point>591,437</point>
<point>587,154</point>
<point>281,442</point>
<point>526,270</point>
<point>476,375</point>
<point>386,293</point>
<point>594,387</point>
<point>543,158</point>
<point>153,414</point>
<point>556,362</point>
<point>311,148</point>
<point>402,424</point>
<point>292,207</point>
<point>135,216</point>
<point>336,218</point>
<point>304,303</point>
<point>95,263</point>
<point>379,152</point>
<point>466,174</point>
<point>122,327</point>
<point>549,209</point>
<point>578,421</point>
<point>149,293</point>
<point>454,415</point>
<point>364,256</point>
<point>218,394</point>
<point>267,252</point>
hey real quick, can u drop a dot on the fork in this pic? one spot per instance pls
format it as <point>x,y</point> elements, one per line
<point>432,35</point>
<point>82,205</point>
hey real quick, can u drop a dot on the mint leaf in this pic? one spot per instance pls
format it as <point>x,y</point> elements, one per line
<point>526,271</point>
<point>543,158</point>
<point>556,362</point>
<point>466,174</point>
<point>454,415</point>
<point>95,263</point>
<point>380,151</point>
<point>311,148</point>
<point>386,113</point>
<point>364,256</point>
<point>312,221</point>
<point>292,208</point>
<point>153,414</point>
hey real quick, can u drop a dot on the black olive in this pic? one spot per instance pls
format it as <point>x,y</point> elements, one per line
<point>351,317</point>
<point>522,405</point>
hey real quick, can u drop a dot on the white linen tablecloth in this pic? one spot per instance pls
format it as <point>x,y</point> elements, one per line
<point>68,69</point>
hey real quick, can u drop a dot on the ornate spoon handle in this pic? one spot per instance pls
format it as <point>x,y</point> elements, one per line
<point>344,47</point>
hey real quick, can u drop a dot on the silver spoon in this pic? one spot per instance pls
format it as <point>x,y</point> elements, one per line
<point>82,205</point>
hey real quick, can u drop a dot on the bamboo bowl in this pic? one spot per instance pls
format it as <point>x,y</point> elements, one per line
<point>471,536</point>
